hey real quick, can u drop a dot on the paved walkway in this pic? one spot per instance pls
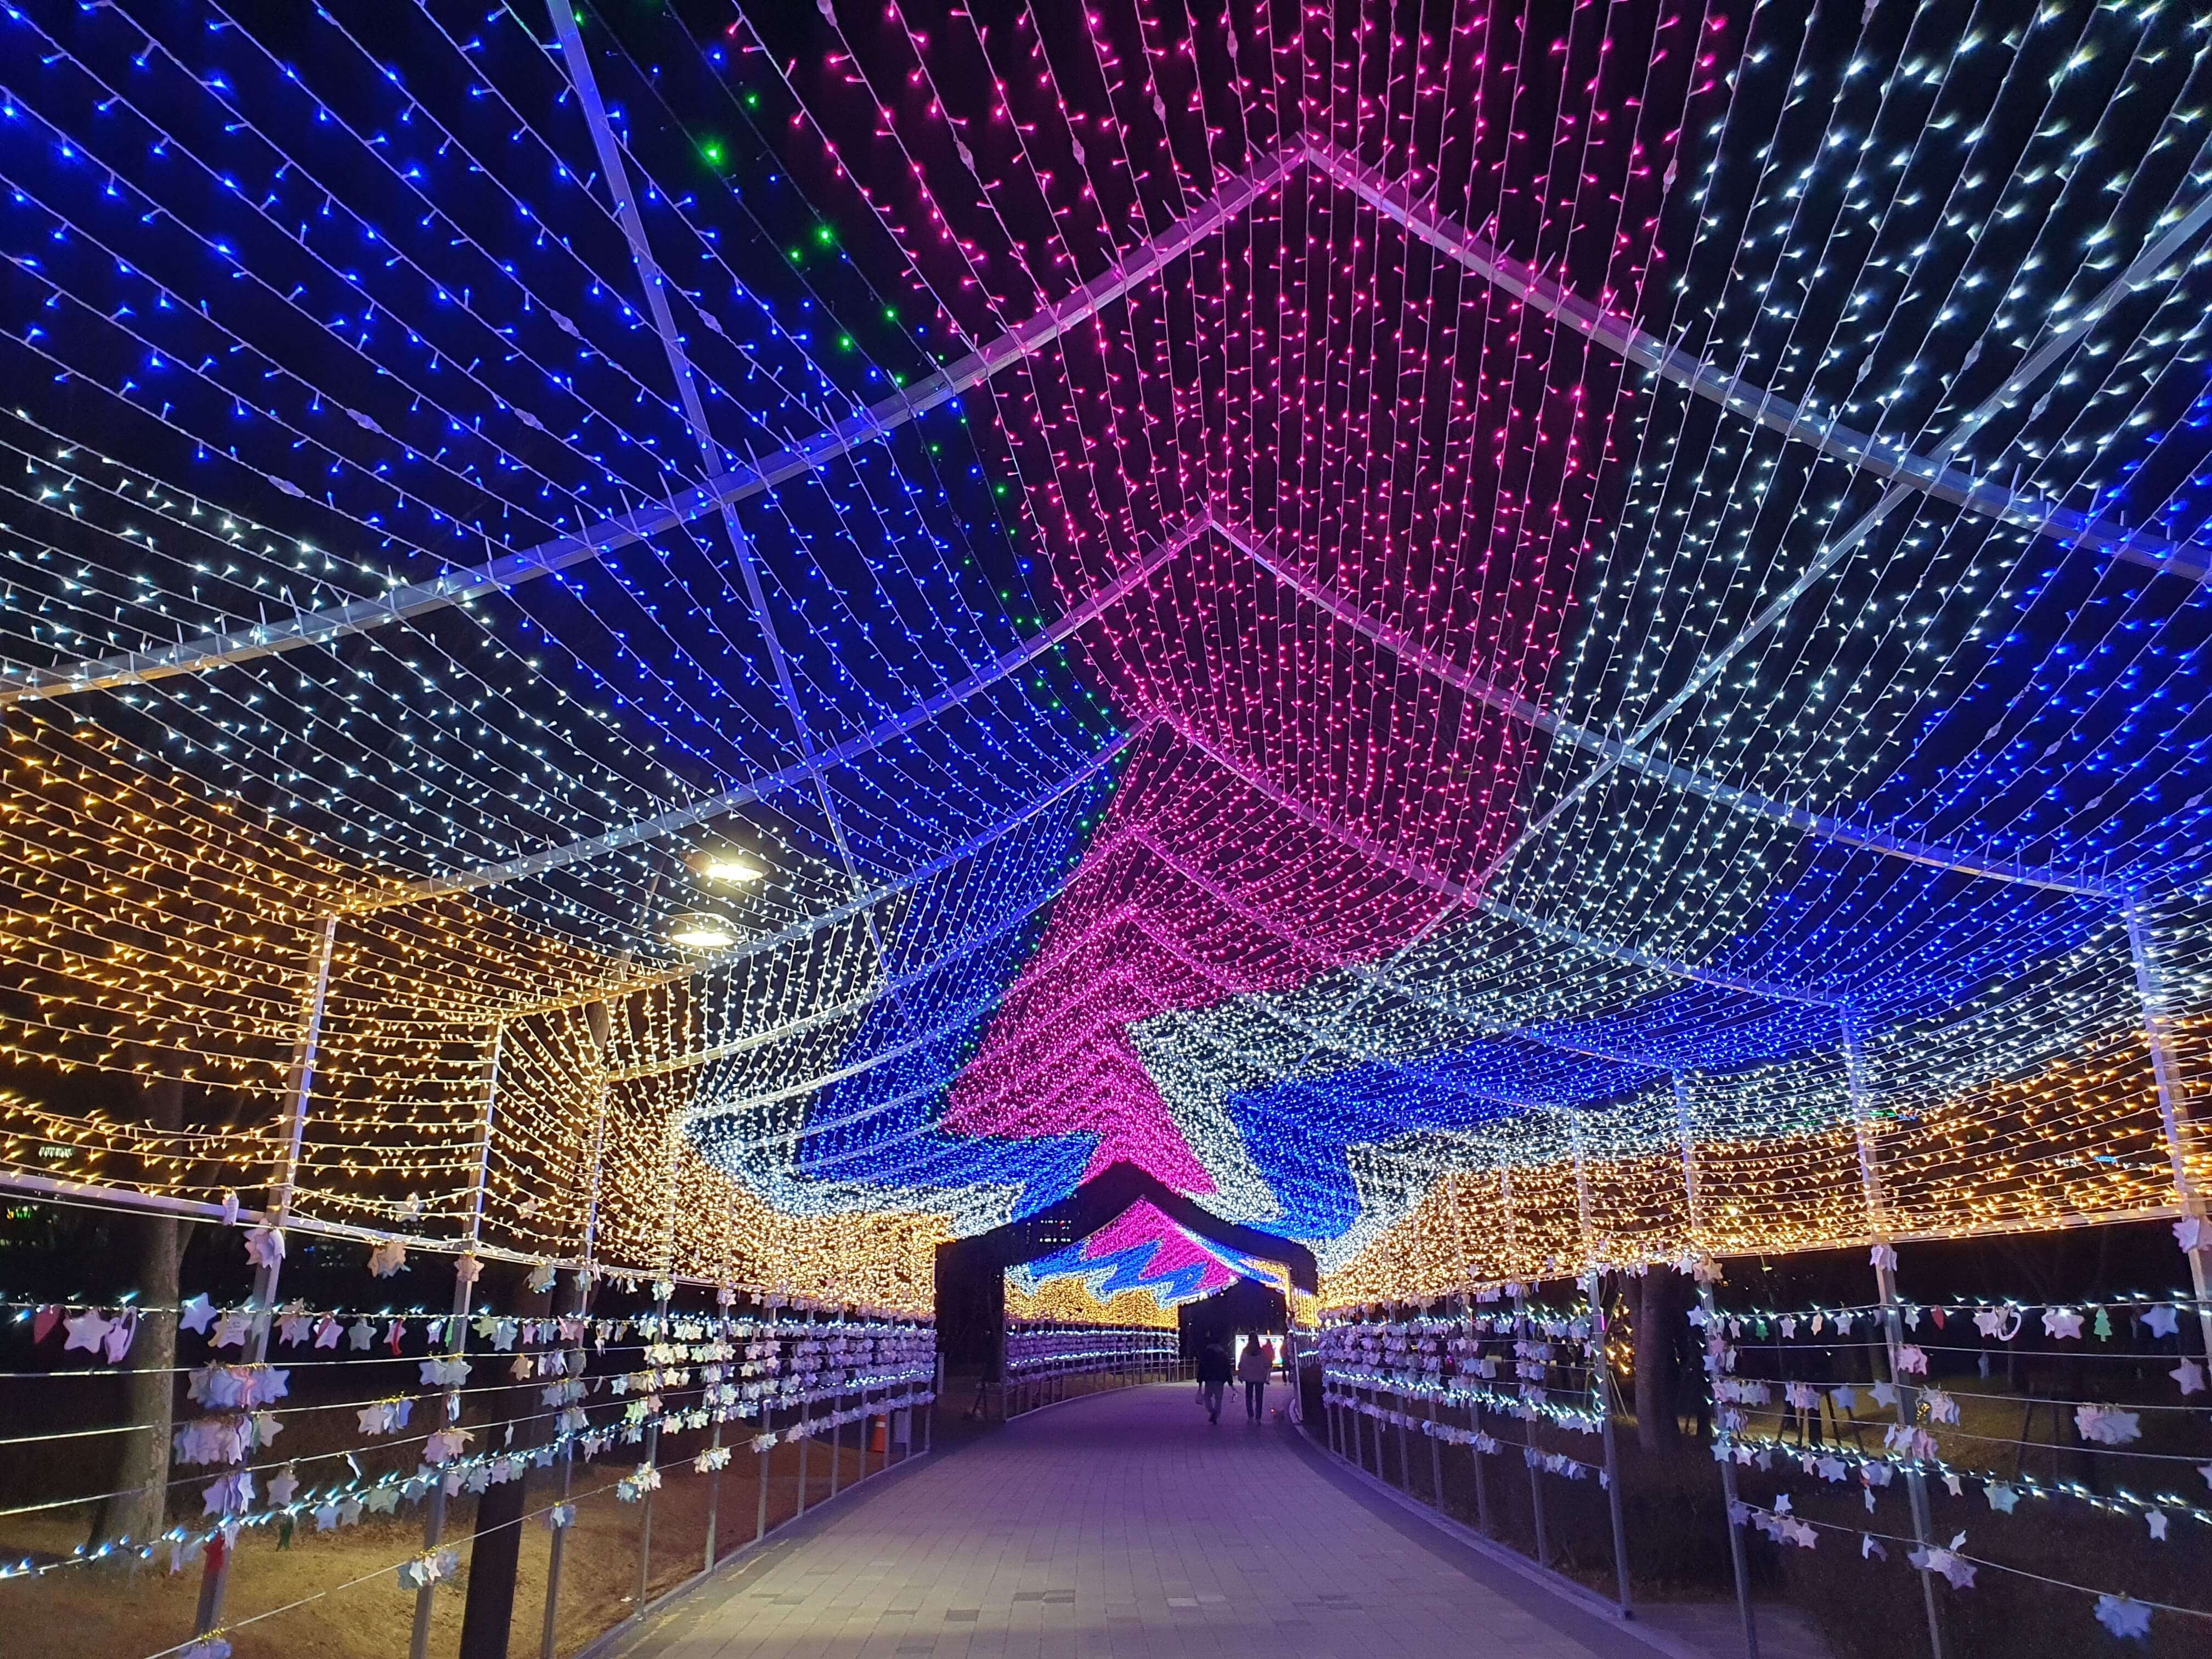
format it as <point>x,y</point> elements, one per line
<point>1124,1525</point>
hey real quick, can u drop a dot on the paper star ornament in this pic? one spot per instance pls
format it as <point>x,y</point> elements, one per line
<point>2107,1426</point>
<point>2123,1616</point>
<point>86,1331</point>
<point>196,1313</point>
<point>1947,1561</point>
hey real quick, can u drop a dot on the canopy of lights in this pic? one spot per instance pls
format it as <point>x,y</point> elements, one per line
<point>739,638</point>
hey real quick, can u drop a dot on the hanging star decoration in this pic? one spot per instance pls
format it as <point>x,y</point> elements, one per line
<point>88,1330</point>
<point>2107,1426</point>
<point>2126,1618</point>
<point>431,1568</point>
<point>1947,1560</point>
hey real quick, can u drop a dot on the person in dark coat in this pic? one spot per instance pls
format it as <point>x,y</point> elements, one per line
<point>1214,1371</point>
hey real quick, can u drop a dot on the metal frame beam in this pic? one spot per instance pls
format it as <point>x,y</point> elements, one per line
<point>575,65</point>
<point>877,420</point>
<point>752,478</point>
<point>848,910</point>
<point>1470,894</point>
<point>1881,458</point>
<point>881,736</point>
<point>1818,825</point>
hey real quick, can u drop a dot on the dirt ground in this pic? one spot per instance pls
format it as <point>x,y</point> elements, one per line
<point>350,1604</point>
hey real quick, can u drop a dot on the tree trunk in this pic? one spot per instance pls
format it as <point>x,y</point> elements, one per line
<point>139,1511</point>
<point>1659,1307</point>
<point>495,1554</point>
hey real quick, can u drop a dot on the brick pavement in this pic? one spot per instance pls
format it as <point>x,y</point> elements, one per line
<point>1122,1525</point>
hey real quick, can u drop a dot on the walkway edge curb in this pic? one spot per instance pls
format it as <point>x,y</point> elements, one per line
<point>1072,1399</point>
<point>609,1641</point>
<point>1490,1549</point>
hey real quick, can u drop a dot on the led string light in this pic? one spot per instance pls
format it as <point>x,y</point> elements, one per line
<point>1223,988</point>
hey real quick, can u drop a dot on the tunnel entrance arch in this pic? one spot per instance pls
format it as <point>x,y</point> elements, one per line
<point>971,1301</point>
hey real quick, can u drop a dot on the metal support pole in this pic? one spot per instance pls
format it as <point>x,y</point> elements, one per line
<point>434,1512</point>
<point>1436,1459</point>
<point>760,1499</point>
<point>1694,1197</point>
<point>215,1576</point>
<point>1878,1226</point>
<point>1601,1377</point>
<point>572,1370</point>
<point>1531,1452</point>
<point>652,1456</point>
<point>457,1336</point>
<point>804,1418</point>
<point>1481,1473</point>
<point>723,1299</point>
<point>1405,1448</point>
<point>713,1491</point>
<point>1601,1366</point>
<point>1536,1496</point>
<point>2172,1118</point>
<point>936,1394</point>
<point>1725,1442</point>
<point>600,1030</point>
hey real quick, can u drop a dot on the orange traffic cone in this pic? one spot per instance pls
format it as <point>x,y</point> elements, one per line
<point>876,1434</point>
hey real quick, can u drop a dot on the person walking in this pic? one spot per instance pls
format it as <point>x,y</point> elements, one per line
<point>1253,1367</point>
<point>1213,1374</point>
